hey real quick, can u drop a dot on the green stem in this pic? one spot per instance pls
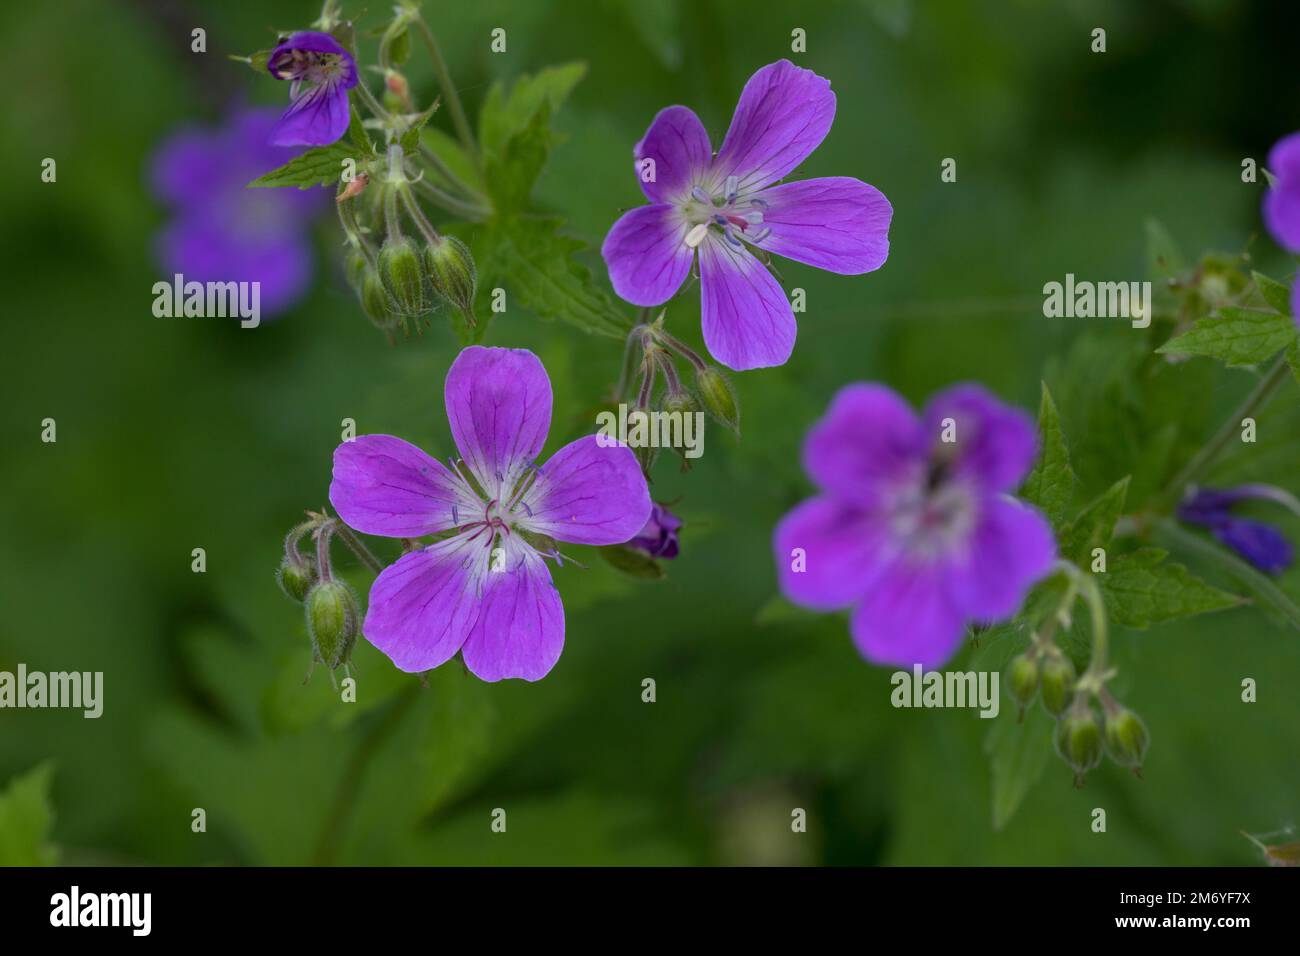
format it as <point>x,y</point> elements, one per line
<point>1211,450</point>
<point>1094,678</point>
<point>345,796</point>
<point>355,544</point>
<point>452,204</point>
<point>458,118</point>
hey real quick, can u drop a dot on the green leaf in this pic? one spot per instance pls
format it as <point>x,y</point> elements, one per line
<point>1019,752</point>
<point>503,115</point>
<point>536,265</point>
<point>1095,524</point>
<point>1164,260</point>
<point>632,562</point>
<point>322,166</point>
<point>1140,589</point>
<point>512,174</point>
<point>1236,336</point>
<point>1050,485</point>
<point>1277,295</point>
<point>26,816</point>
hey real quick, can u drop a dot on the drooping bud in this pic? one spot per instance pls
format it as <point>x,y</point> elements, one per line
<point>718,396</point>
<point>453,274</point>
<point>354,267</point>
<point>333,620</point>
<point>375,302</point>
<point>1058,682</point>
<point>295,578</point>
<point>1126,736</point>
<point>1078,738</point>
<point>1022,679</point>
<point>402,274</point>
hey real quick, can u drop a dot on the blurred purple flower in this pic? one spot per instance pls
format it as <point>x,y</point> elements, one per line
<point>1282,203</point>
<point>224,232</point>
<point>728,207</point>
<point>915,534</point>
<point>659,536</point>
<point>484,589</point>
<point>1261,544</point>
<point>320,73</point>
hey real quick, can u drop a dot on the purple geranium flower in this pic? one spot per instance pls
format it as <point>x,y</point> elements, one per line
<point>1261,544</point>
<point>659,536</point>
<point>916,534</point>
<point>320,73</point>
<point>484,588</point>
<point>224,232</point>
<point>728,205</point>
<point>1282,203</point>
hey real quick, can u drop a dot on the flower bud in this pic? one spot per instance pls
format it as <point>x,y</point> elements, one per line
<point>295,578</point>
<point>332,621</point>
<point>354,267</point>
<point>1126,737</point>
<point>1058,682</point>
<point>683,402</point>
<point>718,396</point>
<point>1078,738</point>
<point>375,302</point>
<point>1022,679</point>
<point>403,276</point>
<point>452,273</point>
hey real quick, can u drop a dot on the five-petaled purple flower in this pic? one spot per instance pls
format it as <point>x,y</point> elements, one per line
<point>1261,544</point>
<point>727,206</point>
<point>1282,203</point>
<point>659,536</point>
<point>320,73</point>
<point>484,589</point>
<point>916,534</point>
<point>223,231</point>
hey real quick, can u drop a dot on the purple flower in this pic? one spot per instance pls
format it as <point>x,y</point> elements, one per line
<point>484,589</point>
<point>916,534</point>
<point>320,73</point>
<point>1282,203</point>
<point>1261,544</point>
<point>728,206</point>
<point>659,536</point>
<point>223,232</point>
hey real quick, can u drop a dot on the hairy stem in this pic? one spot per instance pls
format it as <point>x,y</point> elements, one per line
<point>357,547</point>
<point>458,118</point>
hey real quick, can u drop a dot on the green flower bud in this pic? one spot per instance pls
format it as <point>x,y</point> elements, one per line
<point>402,272</point>
<point>683,402</point>
<point>1078,738</point>
<point>375,302</point>
<point>452,273</point>
<point>1126,737</point>
<point>646,456</point>
<point>1058,682</point>
<point>718,396</point>
<point>295,578</point>
<point>354,265</point>
<point>1022,679</point>
<point>333,622</point>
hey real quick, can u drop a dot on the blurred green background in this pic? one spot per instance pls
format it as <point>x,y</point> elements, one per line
<point>183,433</point>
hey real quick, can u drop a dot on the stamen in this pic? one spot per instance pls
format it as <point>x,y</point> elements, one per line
<point>760,203</point>
<point>732,238</point>
<point>752,218</point>
<point>732,187</point>
<point>696,235</point>
<point>699,195</point>
<point>760,235</point>
<point>455,515</point>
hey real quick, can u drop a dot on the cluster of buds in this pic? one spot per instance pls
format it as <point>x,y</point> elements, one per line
<point>1081,735</point>
<point>403,280</point>
<point>653,352</point>
<point>332,611</point>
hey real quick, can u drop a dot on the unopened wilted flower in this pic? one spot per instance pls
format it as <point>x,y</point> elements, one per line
<point>1261,544</point>
<point>1282,203</point>
<point>223,231</point>
<point>659,536</point>
<point>916,534</point>
<point>484,588</point>
<point>728,207</point>
<point>320,73</point>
